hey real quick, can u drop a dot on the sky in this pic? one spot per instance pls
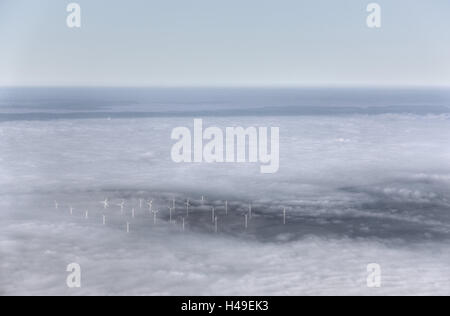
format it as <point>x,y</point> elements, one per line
<point>218,42</point>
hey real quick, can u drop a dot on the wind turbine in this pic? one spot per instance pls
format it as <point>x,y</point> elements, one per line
<point>246,221</point>
<point>215,225</point>
<point>71,210</point>
<point>56,205</point>
<point>250,211</point>
<point>183,225</point>
<point>170,215</point>
<point>86,215</point>
<point>155,212</point>
<point>150,206</point>
<point>141,201</point>
<point>122,205</point>
<point>128,227</point>
<point>105,204</point>
<point>173,203</point>
<point>226,208</point>
<point>132,212</point>
<point>213,214</point>
<point>187,208</point>
<point>104,219</point>
<point>284,216</point>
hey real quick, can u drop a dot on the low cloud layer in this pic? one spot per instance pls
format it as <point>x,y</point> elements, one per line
<point>357,189</point>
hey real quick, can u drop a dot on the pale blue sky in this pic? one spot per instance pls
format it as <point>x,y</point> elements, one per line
<point>224,42</point>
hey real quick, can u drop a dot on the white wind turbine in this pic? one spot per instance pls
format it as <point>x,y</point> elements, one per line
<point>187,208</point>
<point>56,205</point>
<point>183,225</point>
<point>71,210</point>
<point>170,215</point>
<point>250,211</point>
<point>128,227</point>
<point>246,221</point>
<point>226,208</point>
<point>132,213</point>
<point>215,225</point>
<point>284,216</point>
<point>122,205</point>
<point>155,212</point>
<point>105,204</point>
<point>150,206</point>
<point>86,215</point>
<point>104,219</point>
<point>141,201</point>
<point>213,214</point>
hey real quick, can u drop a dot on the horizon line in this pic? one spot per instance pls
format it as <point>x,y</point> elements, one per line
<point>242,86</point>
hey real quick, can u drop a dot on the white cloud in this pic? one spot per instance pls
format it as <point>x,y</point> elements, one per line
<point>380,196</point>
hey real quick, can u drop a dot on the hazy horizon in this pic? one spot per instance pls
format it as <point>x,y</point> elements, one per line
<point>250,86</point>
